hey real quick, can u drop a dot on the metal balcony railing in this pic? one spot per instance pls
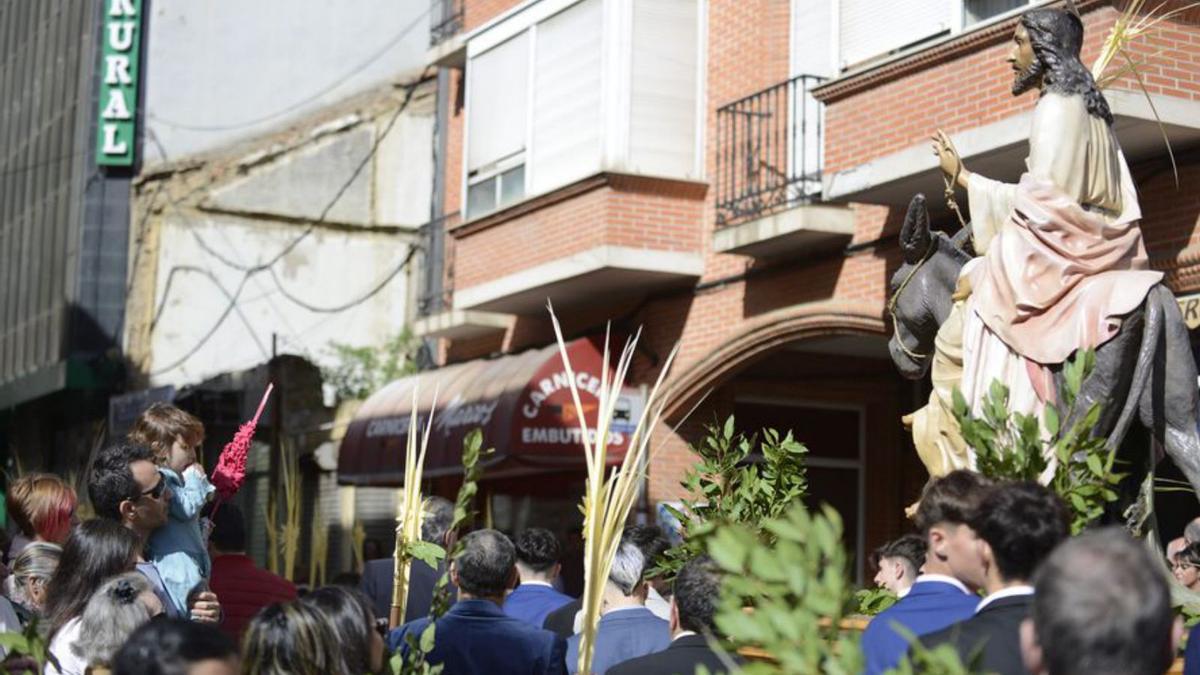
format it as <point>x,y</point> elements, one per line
<point>447,20</point>
<point>769,151</point>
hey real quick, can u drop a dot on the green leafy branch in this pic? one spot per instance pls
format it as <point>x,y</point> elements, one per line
<point>412,660</point>
<point>728,488</point>
<point>357,372</point>
<point>871,601</point>
<point>1009,445</point>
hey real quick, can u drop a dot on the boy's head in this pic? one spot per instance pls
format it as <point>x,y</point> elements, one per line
<point>1018,524</point>
<point>173,435</point>
<point>947,506</point>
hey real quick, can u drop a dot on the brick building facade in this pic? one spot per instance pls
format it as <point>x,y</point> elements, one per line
<point>771,272</point>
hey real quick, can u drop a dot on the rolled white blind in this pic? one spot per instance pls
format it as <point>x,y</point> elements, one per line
<point>662,123</point>
<point>567,120</point>
<point>498,82</point>
<point>870,28</point>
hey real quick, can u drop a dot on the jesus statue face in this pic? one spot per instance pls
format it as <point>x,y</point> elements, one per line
<point>1027,69</point>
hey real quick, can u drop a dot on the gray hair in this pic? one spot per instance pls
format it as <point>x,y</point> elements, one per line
<point>436,519</point>
<point>110,617</point>
<point>627,566</point>
<point>1102,607</point>
<point>1192,531</point>
<point>485,564</point>
<point>36,562</point>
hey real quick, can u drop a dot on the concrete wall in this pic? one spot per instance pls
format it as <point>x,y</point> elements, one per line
<point>221,71</point>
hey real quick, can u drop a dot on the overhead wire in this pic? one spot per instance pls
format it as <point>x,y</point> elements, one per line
<point>249,271</point>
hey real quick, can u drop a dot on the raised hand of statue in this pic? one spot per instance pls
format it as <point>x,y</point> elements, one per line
<point>951,164</point>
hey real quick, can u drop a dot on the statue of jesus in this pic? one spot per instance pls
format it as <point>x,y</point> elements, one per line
<point>1061,255</point>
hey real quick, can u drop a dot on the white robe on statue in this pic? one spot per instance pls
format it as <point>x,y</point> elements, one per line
<point>1061,257</point>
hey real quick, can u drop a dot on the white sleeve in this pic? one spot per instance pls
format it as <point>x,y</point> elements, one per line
<point>990,202</point>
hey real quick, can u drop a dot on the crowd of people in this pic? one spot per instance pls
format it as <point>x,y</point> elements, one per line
<point>159,582</point>
<point>995,575</point>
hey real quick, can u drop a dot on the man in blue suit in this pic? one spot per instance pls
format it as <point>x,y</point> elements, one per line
<point>937,599</point>
<point>538,552</point>
<point>475,636</point>
<point>627,629</point>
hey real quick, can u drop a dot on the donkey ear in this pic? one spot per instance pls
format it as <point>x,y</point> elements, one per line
<point>914,234</point>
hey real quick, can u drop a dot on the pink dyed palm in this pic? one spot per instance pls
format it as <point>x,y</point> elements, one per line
<point>231,466</point>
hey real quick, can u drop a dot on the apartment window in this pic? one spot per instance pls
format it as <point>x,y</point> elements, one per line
<point>564,89</point>
<point>975,11</point>
<point>496,119</point>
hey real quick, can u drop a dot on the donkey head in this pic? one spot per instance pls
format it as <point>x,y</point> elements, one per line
<point>921,290</point>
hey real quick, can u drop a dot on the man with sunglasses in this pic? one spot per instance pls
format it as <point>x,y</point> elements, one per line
<point>125,486</point>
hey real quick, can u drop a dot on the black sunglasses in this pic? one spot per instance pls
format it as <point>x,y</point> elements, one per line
<point>156,491</point>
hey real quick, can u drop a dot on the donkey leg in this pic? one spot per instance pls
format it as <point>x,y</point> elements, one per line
<point>1170,404</point>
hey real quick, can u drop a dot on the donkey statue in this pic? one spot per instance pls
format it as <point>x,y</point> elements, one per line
<point>1145,372</point>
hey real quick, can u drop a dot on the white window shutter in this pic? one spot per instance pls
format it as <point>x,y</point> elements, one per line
<point>871,28</point>
<point>663,124</point>
<point>567,118</point>
<point>498,82</point>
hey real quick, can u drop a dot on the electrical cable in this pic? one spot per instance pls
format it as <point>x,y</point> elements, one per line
<point>357,301</point>
<point>249,271</point>
<point>309,99</point>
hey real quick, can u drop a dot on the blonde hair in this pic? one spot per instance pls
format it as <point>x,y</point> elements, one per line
<point>41,504</point>
<point>292,638</point>
<point>159,425</point>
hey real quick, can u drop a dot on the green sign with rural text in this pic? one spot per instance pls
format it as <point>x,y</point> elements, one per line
<point>119,82</point>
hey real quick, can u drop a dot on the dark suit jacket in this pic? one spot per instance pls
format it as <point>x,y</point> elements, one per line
<point>562,620</point>
<point>378,577</point>
<point>681,658</point>
<point>993,633</point>
<point>475,636</point>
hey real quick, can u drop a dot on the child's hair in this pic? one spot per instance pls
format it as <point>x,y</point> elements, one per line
<point>160,424</point>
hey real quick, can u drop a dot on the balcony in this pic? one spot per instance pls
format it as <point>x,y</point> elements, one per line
<point>768,175</point>
<point>446,46</point>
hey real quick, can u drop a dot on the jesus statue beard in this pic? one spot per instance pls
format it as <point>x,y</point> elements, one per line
<point>1024,80</point>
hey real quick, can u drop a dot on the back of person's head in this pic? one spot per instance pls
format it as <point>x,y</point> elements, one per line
<point>1191,532</point>
<point>31,572</point>
<point>110,480</point>
<point>628,566</point>
<point>651,540</point>
<point>165,646</point>
<point>484,566</point>
<point>228,529</point>
<point>908,549</point>
<point>951,499</point>
<point>437,515</point>
<point>160,425</point>
<point>697,592</point>
<point>538,549</point>
<point>292,638</point>
<point>1021,522</point>
<point>349,613</point>
<point>41,504</point>
<point>1101,607</point>
<point>113,613</point>
<point>95,550</point>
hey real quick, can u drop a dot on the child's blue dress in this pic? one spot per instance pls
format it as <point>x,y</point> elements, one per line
<point>178,548</point>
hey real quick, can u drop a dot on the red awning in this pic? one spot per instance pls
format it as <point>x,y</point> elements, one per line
<point>522,402</point>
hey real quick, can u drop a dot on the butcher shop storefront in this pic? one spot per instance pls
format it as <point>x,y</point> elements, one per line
<point>522,402</point>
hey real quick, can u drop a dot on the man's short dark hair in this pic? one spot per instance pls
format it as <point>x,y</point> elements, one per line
<point>110,480</point>
<point>910,549</point>
<point>538,549</point>
<point>697,592</point>
<point>485,564</point>
<point>171,647</point>
<point>228,529</point>
<point>651,540</point>
<point>1022,522</point>
<point>1102,607</point>
<point>952,499</point>
<point>436,518</point>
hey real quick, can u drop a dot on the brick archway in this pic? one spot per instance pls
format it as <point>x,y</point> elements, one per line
<point>764,334</point>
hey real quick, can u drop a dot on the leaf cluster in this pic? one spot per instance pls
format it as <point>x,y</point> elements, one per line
<point>357,372</point>
<point>411,661</point>
<point>29,645</point>
<point>728,485</point>
<point>871,601</point>
<point>1009,445</point>
<point>784,593</point>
